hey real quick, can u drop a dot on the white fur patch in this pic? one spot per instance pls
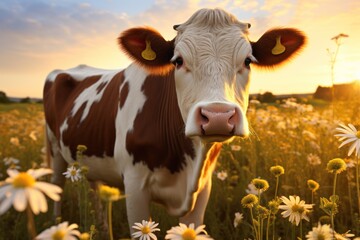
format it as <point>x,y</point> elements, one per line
<point>135,77</point>
<point>79,73</point>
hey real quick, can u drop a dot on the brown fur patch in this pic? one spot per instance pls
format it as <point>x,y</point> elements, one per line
<point>158,138</point>
<point>97,131</point>
<point>123,94</point>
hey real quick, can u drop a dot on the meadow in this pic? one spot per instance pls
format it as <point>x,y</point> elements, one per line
<point>297,136</point>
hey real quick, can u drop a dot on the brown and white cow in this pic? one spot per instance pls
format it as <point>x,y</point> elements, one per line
<point>157,126</point>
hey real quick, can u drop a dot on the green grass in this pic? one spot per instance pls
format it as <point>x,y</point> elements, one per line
<point>280,136</point>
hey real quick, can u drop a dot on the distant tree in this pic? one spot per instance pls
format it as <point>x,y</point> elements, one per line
<point>3,97</point>
<point>25,100</point>
<point>267,97</point>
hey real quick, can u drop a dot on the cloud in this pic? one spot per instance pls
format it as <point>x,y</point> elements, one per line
<point>36,28</point>
<point>39,35</point>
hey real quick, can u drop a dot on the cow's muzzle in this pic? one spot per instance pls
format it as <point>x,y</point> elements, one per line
<point>217,121</point>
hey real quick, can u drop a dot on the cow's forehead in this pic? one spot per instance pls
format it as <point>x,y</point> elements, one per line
<point>212,20</point>
<point>212,33</point>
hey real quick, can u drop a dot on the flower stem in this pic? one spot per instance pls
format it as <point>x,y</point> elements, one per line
<point>259,219</point>
<point>332,209</point>
<point>357,182</point>
<point>334,187</point>
<point>109,208</point>
<point>261,228</point>
<point>253,223</point>
<point>312,197</point>
<point>301,226</point>
<point>268,227</point>
<point>273,228</point>
<point>277,186</point>
<point>30,223</point>
<point>293,231</point>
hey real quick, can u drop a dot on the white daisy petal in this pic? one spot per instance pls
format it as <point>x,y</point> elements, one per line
<point>38,200</point>
<point>6,204</point>
<point>347,135</point>
<point>33,197</point>
<point>346,142</point>
<point>12,172</point>
<point>4,190</point>
<point>20,200</point>
<point>357,148</point>
<point>69,231</point>
<point>37,173</point>
<point>352,148</point>
<point>51,190</point>
<point>352,128</point>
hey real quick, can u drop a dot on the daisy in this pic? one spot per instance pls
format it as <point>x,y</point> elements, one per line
<point>260,184</point>
<point>109,194</point>
<point>313,159</point>
<point>15,141</point>
<point>146,229</point>
<point>60,232</point>
<point>21,189</point>
<point>73,173</point>
<point>336,165</point>
<point>249,201</point>
<point>295,209</point>
<point>238,219</point>
<point>33,136</point>
<point>323,232</point>
<point>313,185</point>
<point>348,134</point>
<point>277,170</point>
<point>252,189</point>
<point>12,162</point>
<point>222,175</point>
<point>344,236</point>
<point>183,232</point>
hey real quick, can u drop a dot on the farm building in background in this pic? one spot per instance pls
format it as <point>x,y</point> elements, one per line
<point>344,91</point>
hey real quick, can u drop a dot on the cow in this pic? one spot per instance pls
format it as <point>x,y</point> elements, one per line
<point>157,127</point>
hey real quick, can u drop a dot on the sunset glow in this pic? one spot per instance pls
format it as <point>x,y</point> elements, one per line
<point>39,36</point>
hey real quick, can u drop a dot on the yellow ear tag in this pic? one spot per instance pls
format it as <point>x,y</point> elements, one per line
<point>279,48</point>
<point>148,53</point>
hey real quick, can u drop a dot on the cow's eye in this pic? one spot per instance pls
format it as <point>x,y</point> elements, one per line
<point>247,62</point>
<point>178,62</point>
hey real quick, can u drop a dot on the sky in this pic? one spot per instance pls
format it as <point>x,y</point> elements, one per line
<point>38,36</point>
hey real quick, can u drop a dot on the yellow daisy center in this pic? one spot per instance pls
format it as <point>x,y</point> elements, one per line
<point>297,208</point>
<point>189,234</point>
<point>358,134</point>
<point>321,236</point>
<point>58,235</point>
<point>73,172</point>
<point>145,230</point>
<point>23,180</point>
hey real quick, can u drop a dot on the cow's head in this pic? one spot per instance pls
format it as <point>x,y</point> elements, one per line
<point>211,57</point>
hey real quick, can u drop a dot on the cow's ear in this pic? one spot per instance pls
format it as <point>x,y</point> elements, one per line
<point>148,48</point>
<point>277,46</point>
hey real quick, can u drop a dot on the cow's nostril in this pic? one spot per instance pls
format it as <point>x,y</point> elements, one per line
<point>203,117</point>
